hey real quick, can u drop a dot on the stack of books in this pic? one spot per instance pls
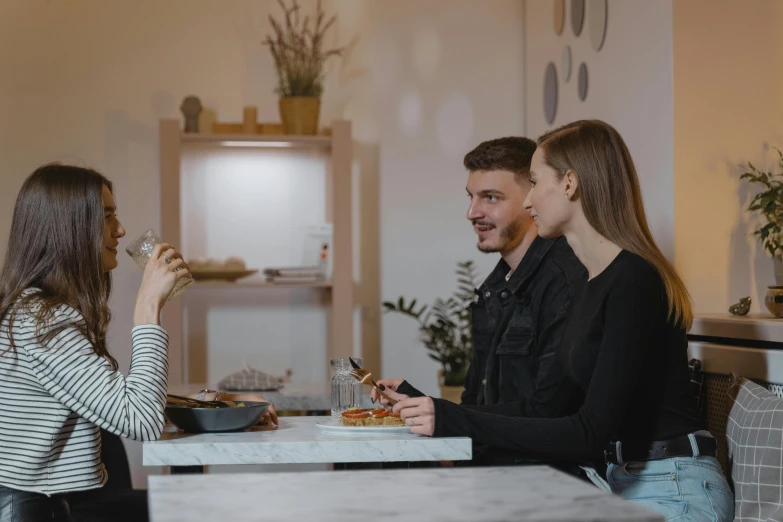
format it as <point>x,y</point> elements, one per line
<point>297,274</point>
<point>316,263</point>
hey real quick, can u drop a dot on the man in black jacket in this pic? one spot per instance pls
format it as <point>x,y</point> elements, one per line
<point>520,312</point>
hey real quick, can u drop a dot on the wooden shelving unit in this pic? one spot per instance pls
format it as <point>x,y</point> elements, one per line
<point>340,288</point>
<point>200,285</point>
<point>257,140</point>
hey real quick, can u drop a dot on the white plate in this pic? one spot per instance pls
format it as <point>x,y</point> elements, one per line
<point>332,427</point>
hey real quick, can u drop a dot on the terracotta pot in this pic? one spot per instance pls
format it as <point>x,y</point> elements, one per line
<point>450,393</point>
<point>299,115</point>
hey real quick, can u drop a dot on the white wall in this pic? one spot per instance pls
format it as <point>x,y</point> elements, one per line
<point>630,87</point>
<point>449,75</point>
<point>86,81</point>
<point>257,204</point>
<point>693,88</point>
<point>728,101</point>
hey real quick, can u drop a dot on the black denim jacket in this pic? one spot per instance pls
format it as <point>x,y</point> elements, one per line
<point>517,327</point>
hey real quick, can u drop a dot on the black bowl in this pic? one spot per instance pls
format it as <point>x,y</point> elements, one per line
<point>201,420</point>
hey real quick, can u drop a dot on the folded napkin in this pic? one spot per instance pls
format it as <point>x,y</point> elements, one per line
<point>251,380</point>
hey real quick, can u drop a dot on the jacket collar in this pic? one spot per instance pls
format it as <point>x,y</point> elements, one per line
<point>532,258</point>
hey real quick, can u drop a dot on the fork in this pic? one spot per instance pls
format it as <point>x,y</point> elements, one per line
<point>189,400</point>
<point>365,377</point>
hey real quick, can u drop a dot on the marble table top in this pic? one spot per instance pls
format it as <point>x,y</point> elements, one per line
<point>291,397</point>
<point>299,441</point>
<point>531,493</point>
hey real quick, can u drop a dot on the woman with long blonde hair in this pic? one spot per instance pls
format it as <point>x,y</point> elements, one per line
<point>625,346</point>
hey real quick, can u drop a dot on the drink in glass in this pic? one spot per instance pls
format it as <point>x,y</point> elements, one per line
<point>140,251</point>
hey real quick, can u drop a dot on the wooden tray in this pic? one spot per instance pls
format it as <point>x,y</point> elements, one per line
<point>221,275</point>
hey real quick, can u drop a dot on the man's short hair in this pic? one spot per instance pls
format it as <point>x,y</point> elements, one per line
<point>512,154</point>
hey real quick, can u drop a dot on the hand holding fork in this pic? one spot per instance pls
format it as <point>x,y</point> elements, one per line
<point>365,377</point>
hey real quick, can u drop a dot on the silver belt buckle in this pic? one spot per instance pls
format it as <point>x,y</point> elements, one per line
<point>616,456</point>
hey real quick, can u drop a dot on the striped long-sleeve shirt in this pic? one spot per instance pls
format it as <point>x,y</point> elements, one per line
<point>55,394</point>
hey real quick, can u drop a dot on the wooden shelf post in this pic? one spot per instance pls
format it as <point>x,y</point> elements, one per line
<point>339,213</point>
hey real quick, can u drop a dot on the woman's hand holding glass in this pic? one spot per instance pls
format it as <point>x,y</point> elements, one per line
<point>161,273</point>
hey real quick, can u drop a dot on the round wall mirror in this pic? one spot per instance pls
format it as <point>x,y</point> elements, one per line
<point>550,93</point>
<point>596,18</point>
<point>559,16</point>
<point>583,81</point>
<point>577,16</point>
<point>565,63</point>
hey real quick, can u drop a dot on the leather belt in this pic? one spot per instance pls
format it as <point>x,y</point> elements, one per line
<point>683,446</point>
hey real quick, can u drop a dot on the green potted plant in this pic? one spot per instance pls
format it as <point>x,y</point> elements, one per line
<point>296,49</point>
<point>769,202</point>
<point>445,330</point>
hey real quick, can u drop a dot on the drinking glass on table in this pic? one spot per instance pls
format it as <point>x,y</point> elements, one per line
<point>140,251</point>
<point>346,391</point>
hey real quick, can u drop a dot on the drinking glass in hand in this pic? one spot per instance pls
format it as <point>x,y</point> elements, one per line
<point>141,250</point>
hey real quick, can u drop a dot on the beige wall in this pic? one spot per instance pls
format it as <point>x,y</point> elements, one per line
<point>86,81</point>
<point>695,88</point>
<point>449,75</point>
<point>630,87</point>
<point>728,101</point>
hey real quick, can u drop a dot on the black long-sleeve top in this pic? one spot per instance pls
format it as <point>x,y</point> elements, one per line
<point>628,357</point>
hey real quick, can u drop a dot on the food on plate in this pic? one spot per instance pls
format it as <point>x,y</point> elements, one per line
<point>378,417</point>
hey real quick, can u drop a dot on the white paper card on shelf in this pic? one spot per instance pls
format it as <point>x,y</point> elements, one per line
<point>318,248</point>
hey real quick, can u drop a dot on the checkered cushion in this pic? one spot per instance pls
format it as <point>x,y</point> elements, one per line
<point>755,447</point>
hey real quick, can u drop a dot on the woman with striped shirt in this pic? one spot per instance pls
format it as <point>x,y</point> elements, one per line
<point>58,383</point>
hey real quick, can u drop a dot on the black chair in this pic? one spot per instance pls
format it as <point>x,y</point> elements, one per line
<point>115,459</point>
<point>116,501</point>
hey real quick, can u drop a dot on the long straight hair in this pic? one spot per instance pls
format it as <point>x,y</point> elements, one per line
<point>55,245</point>
<point>612,198</point>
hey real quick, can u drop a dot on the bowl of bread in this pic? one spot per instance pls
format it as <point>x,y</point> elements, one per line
<point>209,269</point>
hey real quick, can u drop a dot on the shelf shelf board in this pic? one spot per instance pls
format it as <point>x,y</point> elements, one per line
<point>260,284</point>
<point>257,140</point>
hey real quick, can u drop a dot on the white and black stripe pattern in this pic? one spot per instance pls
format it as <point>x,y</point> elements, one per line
<point>55,393</point>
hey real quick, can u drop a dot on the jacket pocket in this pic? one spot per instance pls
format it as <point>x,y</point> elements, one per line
<point>518,337</point>
<point>517,340</point>
<point>516,365</point>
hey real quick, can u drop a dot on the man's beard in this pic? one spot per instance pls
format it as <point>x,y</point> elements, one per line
<point>507,235</point>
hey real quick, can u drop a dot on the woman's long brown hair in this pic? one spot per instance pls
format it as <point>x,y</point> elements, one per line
<point>55,245</point>
<point>612,198</point>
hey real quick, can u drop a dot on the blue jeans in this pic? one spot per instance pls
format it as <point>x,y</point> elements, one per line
<point>680,488</point>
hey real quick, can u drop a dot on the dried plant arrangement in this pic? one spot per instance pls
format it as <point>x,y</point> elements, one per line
<point>297,50</point>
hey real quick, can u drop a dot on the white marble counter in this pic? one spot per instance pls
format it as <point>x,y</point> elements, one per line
<point>754,327</point>
<point>535,493</point>
<point>746,345</point>
<point>292,397</point>
<point>299,441</point>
